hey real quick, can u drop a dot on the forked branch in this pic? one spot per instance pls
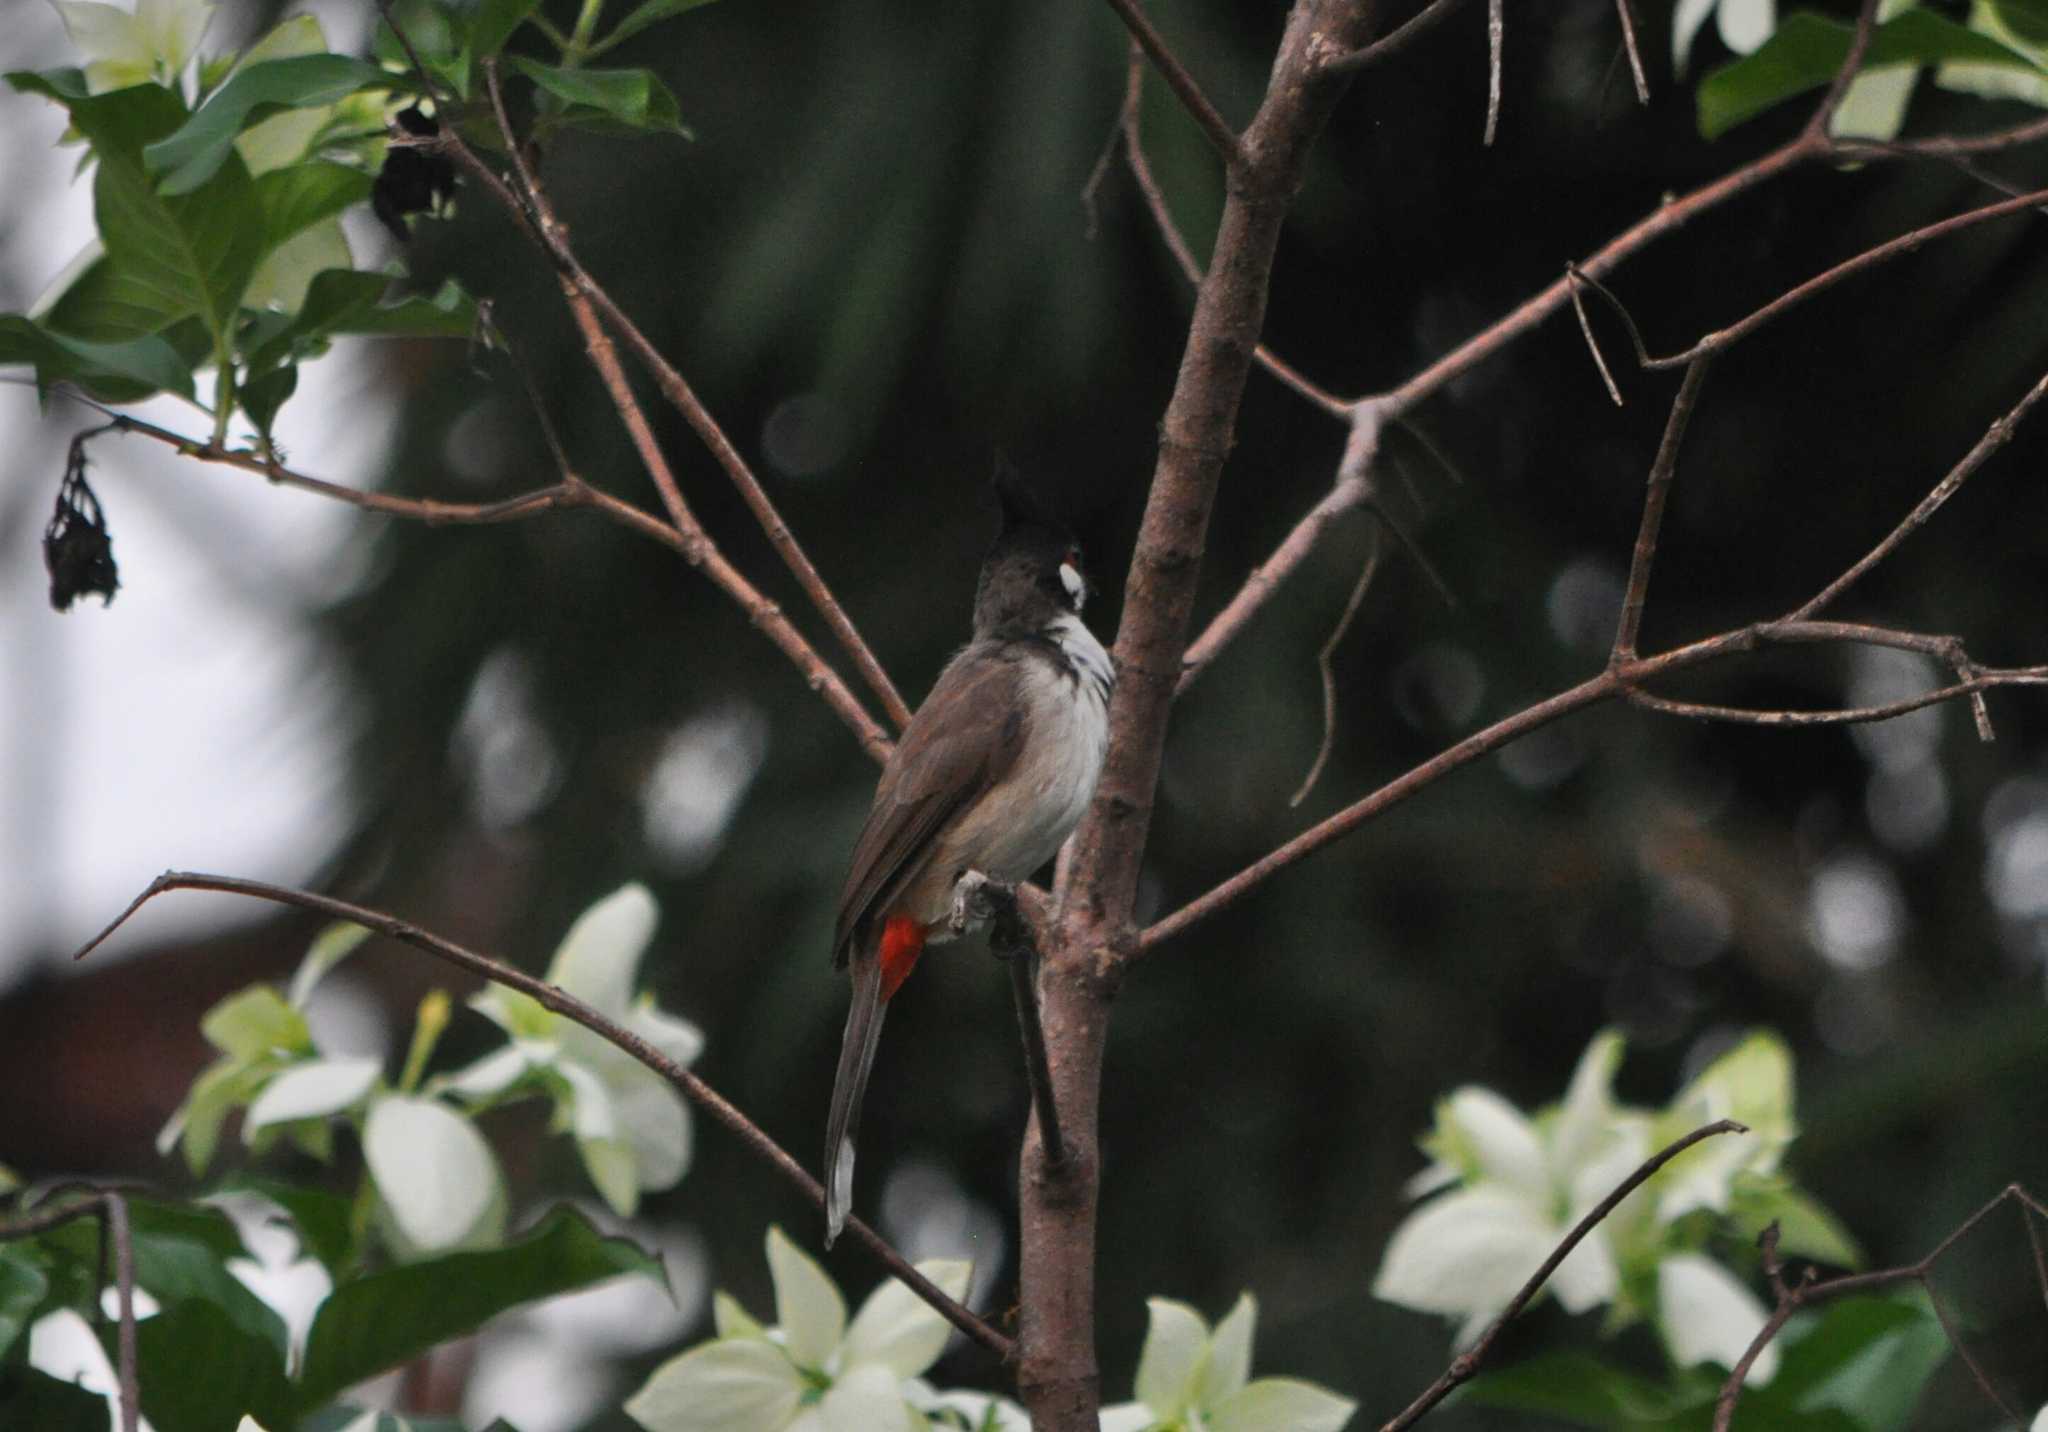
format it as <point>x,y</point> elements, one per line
<point>1805,1291</point>
<point>1627,674</point>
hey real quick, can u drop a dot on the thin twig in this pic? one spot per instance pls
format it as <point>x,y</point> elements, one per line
<point>1812,145</point>
<point>1794,1295</point>
<point>1625,678</point>
<point>756,1140</point>
<point>1845,73</point>
<point>1657,490</point>
<point>1466,1364</point>
<point>111,1209</point>
<point>570,493</point>
<point>534,399</point>
<point>1496,32</point>
<point>1014,941</point>
<point>1613,683</point>
<point>419,66</point>
<point>683,398</point>
<point>1219,134</point>
<point>1626,12</point>
<point>1845,716</point>
<point>1162,218</point>
<point>2027,1216</point>
<point>1315,771</point>
<point>1943,146</point>
<point>1592,343</point>
<point>124,1291</point>
<point>1996,437</point>
<point>1395,40</point>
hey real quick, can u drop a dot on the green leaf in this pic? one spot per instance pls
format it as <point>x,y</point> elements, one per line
<point>1805,1229</point>
<point>299,196</point>
<point>191,1222</point>
<point>256,1021</point>
<point>22,1288</point>
<point>180,1258</point>
<point>2026,19</point>
<point>1579,1388</point>
<point>286,274</point>
<point>168,257</point>
<point>629,99</point>
<point>1866,1357</point>
<point>321,1219</point>
<point>262,395</point>
<point>348,301</point>
<point>1806,50</point>
<point>391,1317</point>
<point>222,1087</point>
<point>492,26</point>
<point>200,1371</point>
<point>116,372</point>
<point>650,12</point>
<point>29,1398</point>
<point>195,152</point>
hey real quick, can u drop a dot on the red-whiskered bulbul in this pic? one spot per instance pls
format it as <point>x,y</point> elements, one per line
<point>990,776</point>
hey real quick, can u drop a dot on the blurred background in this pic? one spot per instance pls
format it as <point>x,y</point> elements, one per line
<point>875,264</point>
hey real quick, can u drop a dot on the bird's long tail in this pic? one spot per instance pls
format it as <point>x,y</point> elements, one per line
<point>876,977</point>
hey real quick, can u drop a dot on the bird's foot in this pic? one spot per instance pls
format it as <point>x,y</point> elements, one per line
<point>978,900</point>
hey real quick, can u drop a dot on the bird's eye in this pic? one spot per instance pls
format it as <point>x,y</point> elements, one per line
<point>1071,579</point>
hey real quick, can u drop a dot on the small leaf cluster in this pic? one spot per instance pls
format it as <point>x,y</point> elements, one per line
<point>1503,1188</point>
<point>433,1183</point>
<point>219,182</point>
<point>210,1353</point>
<point>1999,51</point>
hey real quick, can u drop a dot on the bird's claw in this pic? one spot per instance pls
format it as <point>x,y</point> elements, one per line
<point>975,898</point>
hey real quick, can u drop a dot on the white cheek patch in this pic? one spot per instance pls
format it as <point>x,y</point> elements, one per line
<point>1076,587</point>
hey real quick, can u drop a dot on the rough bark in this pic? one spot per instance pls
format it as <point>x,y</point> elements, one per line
<point>1057,1374</point>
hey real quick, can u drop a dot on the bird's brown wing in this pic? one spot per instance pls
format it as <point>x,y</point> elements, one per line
<point>963,740</point>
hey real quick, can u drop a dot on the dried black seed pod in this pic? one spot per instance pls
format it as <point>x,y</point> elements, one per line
<point>412,181</point>
<point>76,545</point>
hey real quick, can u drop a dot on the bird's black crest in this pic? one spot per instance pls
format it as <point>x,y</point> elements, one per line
<point>1024,506</point>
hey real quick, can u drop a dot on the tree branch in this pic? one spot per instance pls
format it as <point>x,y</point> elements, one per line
<point>1162,217</point>
<point>1807,1290</point>
<point>1659,488</point>
<point>111,1209</point>
<point>580,286</point>
<point>1467,1364</point>
<point>1329,676</point>
<point>1626,673</point>
<point>1845,73</point>
<point>1148,38</point>
<point>1057,1373</point>
<point>750,1134</point>
<point>1395,40</point>
<point>1627,15</point>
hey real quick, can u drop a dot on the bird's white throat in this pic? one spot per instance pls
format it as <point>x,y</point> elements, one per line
<point>1084,653</point>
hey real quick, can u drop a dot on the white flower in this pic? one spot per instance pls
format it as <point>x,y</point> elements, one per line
<point>131,47</point>
<point>1189,1377</point>
<point>812,1371</point>
<point>270,1062</point>
<point>1752,1084</point>
<point>631,1125</point>
<point>1744,25</point>
<point>1525,1183</point>
<point>1708,1316</point>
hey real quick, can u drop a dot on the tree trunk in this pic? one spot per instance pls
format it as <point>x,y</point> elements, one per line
<point>1057,1375</point>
